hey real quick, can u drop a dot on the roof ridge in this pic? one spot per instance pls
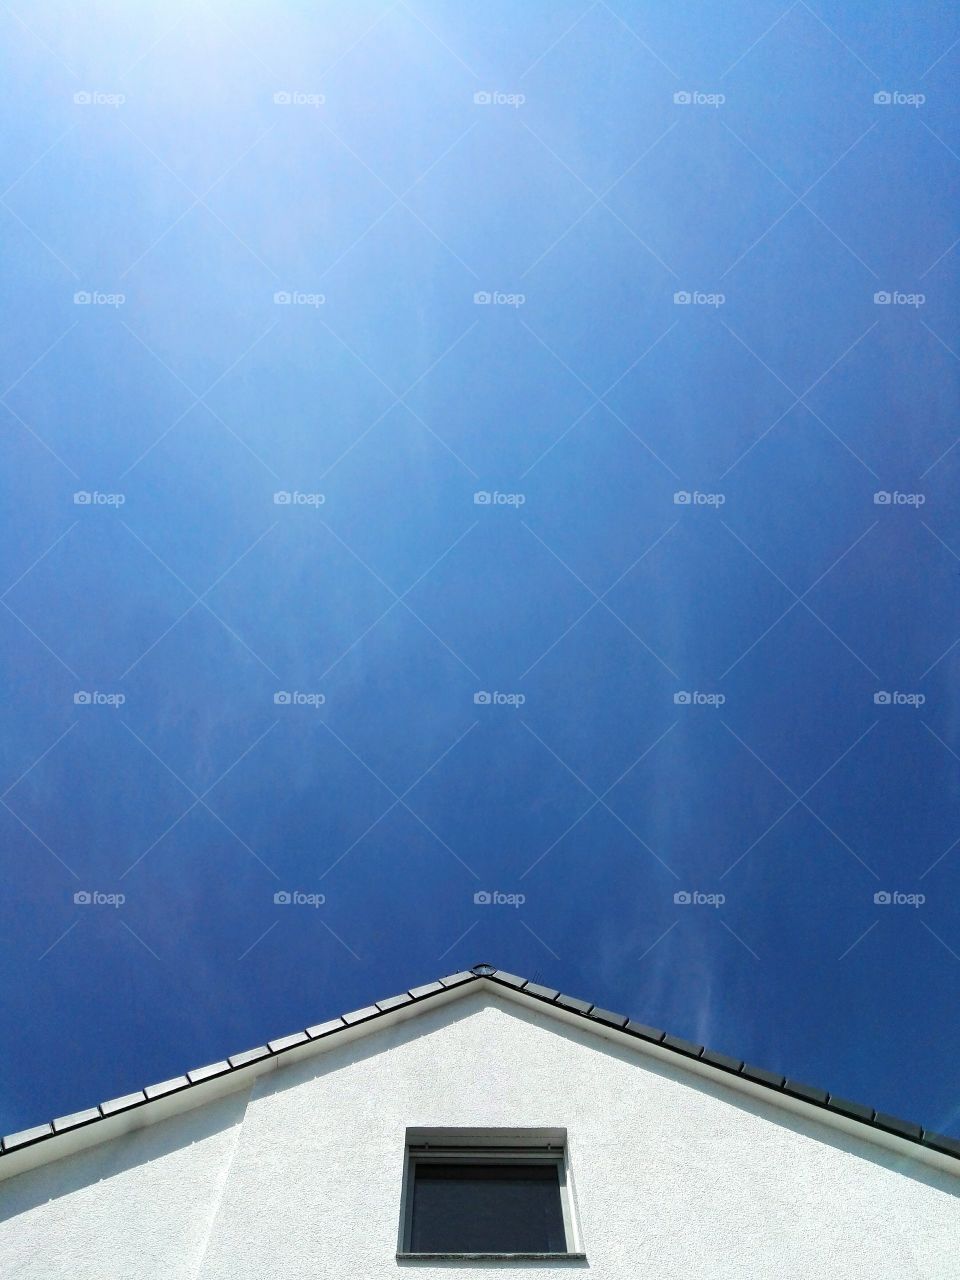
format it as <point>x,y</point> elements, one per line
<point>687,1049</point>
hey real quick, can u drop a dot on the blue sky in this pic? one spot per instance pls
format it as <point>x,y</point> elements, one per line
<point>613,267</point>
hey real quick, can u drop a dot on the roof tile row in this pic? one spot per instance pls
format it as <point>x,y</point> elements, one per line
<point>808,1093</point>
<point>686,1048</point>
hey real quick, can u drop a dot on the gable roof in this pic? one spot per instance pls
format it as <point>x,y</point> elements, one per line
<point>866,1121</point>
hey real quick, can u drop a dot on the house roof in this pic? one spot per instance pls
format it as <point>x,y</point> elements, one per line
<point>864,1117</point>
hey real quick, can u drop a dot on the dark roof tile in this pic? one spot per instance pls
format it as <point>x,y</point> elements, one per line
<point>855,1110</point>
<point>510,979</point>
<point>545,993</point>
<point>571,1002</point>
<point>26,1136</point>
<point>893,1124</point>
<point>394,1002</point>
<point>249,1055</point>
<point>759,1076</point>
<point>720,1060</point>
<point>287,1042</point>
<point>76,1120</point>
<point>166,1086</point>
<point>940,1142</point>
<point>322,1029</point>
<point>209,1072</point>
<point>688,1047</point>
<point>360,1015</point>
<point>646,1033</point>
<point>455,979</point>
<point>808,1092</point>
<point>611,1019</point>
<point>115,1105</point>
<point>428,989</point>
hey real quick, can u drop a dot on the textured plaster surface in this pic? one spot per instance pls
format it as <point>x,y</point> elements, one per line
<point>671,1173</point>
<point>139,1206</point>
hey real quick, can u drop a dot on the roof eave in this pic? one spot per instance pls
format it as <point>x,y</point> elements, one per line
<point>117,1116</point>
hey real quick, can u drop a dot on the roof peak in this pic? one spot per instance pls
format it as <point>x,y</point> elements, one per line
<point>790,1091</point>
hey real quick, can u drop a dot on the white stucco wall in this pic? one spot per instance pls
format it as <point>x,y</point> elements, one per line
<point>137,1207</point>
<point>674,1175</point>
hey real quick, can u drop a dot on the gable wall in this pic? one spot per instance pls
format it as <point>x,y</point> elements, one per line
<point>673,1175</point>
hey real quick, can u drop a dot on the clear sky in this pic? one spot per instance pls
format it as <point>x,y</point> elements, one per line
<point>606,355</point>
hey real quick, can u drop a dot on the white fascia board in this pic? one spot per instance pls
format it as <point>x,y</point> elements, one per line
<point>739,1084</point>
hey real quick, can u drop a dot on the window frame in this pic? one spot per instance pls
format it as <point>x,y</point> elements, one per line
<point>500,1146</point>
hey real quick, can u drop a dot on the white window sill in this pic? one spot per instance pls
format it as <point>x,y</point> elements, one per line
<point>492,1257</point>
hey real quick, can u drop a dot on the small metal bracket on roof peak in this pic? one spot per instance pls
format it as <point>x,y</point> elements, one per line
<point>483,970</point>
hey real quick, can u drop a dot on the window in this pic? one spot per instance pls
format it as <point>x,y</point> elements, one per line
<point>487,1193</point>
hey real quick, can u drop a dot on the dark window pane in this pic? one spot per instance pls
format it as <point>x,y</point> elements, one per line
<point>486,1208</point>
